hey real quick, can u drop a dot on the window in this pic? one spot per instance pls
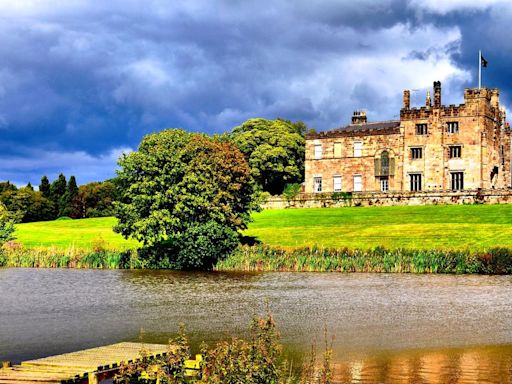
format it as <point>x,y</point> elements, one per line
<point>318,151</point>
<point>455,151</point>
<point>415,181</point>
<point>421,129</point>
<point>384,163</point>
<point>457,181</point>
<point>317,181</point>
<point>502,154</point>
<point>336,183</point>
<point>384,184</point>
<point>358,148</point>
<point>453,127</point>
<point>358,183</point>
<point>337,150</point>
<point>416,153</point>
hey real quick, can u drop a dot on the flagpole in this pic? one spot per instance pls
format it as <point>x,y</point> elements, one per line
<point>479,69</point>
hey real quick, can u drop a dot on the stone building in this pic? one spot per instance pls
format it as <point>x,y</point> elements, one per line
<point>432,148</point>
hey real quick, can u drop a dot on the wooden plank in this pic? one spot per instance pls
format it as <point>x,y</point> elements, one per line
<point>89,362</point>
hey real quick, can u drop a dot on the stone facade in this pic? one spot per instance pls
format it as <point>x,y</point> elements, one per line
<point>432,148</point>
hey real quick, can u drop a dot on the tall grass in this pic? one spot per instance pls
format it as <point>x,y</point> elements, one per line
<point>316,259</point>
<point>51,257</point>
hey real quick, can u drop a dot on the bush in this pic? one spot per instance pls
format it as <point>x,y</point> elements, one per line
<point>200,247</point>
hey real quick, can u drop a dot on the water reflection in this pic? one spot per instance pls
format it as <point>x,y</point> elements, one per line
<point>457,366</point>
<point>389,328</point>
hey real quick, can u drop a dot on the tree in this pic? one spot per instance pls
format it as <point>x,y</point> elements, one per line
<point>29,186</point>
<point>275,151</point>
<point>44,187</point>
<point>185,197</point>
<point>28,205</point>
<point>66,203</point>
<point>7,186</point>
<point>6,225</point>
<point>94,200</point>
<point>57,192</point>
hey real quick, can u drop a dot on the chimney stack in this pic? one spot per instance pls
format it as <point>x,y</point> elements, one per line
<point>437,94</point>
<point>407,99</point>
<point>359,117</point>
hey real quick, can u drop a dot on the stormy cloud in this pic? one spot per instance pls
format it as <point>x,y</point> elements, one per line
<point>83,81</point>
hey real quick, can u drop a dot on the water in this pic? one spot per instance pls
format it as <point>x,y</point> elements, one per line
<point>389,328</point>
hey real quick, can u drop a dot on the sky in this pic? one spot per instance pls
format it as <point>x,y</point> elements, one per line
<point>81,82</point>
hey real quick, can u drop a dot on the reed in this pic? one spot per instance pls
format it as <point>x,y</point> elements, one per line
<point>15,255</point>
<point>317,259</point>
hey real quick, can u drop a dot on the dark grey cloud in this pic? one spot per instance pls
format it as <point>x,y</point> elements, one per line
<point>81,81</point>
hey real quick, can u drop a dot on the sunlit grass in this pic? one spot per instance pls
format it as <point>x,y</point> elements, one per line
<point>80,234</point>
<point>476,227</point>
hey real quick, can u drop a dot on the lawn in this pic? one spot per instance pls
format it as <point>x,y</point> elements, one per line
<point>72,233</point>
<point>475,227</point>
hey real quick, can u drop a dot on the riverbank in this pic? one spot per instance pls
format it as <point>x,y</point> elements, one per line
<point>264,258</point>
<point>314,259</point>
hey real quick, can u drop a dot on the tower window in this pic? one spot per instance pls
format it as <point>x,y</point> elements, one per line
<point>455,151</point>
<point>416,153</point>
<point>453,127</point>
<point>421,129</point>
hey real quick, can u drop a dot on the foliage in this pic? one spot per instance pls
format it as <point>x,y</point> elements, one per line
<point>179,186</point>
<point>94,200</point>
<point>274,150</point>
<point>28,205</point>
<point>67,199</point>
<point>44,187</point>
<point>316,259</point>
<point>6,225</point>
<point>291,191</point>
<point>255,360</point>
<point>7,186</point>
<point>14,254</point>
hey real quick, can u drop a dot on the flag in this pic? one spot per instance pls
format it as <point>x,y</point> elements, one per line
<point>483,61</point>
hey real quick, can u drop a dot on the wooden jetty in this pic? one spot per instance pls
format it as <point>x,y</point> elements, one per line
<point>89,366</point>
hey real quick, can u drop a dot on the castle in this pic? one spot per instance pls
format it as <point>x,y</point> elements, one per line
<point>432,148</point>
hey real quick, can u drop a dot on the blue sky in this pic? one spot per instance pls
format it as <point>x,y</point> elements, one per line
<point>83,81</point>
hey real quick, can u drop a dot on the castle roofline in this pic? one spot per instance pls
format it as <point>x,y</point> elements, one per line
<point>375,128</point>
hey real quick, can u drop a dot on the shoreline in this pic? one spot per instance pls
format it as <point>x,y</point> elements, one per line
<point>264,258</point>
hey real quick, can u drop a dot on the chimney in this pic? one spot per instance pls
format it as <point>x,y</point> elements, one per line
<point>437,94</point>
<point>407,99</point>
<point>359,117</point>
<point>428,102</point>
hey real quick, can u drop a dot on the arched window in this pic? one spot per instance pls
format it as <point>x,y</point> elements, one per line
<point>384,163</point>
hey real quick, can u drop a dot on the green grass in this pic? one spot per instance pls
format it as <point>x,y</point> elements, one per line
<point>475,227</point>
<point>80,234</point>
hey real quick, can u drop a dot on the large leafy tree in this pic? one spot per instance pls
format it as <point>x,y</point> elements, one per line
<point>274,150</point>
<point>185,197</point>
<point>28,205</point>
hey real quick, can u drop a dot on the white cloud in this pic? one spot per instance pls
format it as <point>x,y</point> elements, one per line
<point>445,6</point>
<point>85,166</point>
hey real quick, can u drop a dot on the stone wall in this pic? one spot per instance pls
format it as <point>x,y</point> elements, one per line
<point>325,200</point>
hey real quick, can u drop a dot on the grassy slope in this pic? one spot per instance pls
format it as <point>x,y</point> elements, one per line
<point>451,226</point>
<point>68,233</point>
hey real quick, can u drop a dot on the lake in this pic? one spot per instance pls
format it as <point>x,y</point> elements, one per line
<point>389,328</point>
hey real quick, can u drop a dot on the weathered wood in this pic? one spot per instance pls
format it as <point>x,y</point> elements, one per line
<point>82,366</point>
